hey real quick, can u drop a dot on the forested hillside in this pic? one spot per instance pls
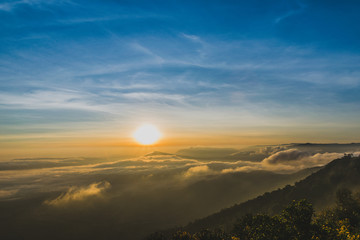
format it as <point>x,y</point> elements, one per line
<point>297,221</point>
<point>319,190</point>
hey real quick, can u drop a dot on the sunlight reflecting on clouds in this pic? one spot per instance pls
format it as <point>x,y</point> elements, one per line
<point>77,194</point>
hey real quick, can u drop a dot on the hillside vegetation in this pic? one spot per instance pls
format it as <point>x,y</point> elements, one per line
<point>266,211</point>
<point>296,222</point>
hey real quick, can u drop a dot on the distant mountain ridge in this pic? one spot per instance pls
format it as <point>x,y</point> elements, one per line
<point>260,152</point>
<point>158,153</point>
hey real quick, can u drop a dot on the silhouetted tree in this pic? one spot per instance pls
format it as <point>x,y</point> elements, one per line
<point>260,227</point>
<point>297,218</point>
<point>347,207</point>
<point>211,235</point>
<point>182,235</point>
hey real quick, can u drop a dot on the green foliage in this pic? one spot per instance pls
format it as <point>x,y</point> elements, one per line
<point>341,222</point>
<point>293,223</point>
<point>297,219</point>
<point>211,235</point>
<point>347,207</point>
<point>182,235</point>
<point>259,227</point>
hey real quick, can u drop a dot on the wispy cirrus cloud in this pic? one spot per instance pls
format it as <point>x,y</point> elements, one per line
<point>194,38</point>
<point>147,52</point>
<point>45,99</point>
<point>300,7</point>
<point>154,96</point>
<point>11,5</point>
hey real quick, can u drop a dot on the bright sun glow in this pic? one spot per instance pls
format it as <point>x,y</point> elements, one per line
<point>147,134</point>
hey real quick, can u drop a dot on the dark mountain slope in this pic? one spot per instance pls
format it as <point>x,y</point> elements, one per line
<point>319,188</point>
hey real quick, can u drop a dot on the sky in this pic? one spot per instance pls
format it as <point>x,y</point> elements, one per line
<point>78,77</point>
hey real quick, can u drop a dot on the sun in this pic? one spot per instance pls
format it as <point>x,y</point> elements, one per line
<point>147,134</point>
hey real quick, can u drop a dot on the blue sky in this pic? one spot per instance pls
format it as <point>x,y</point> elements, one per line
<point>287,70</point>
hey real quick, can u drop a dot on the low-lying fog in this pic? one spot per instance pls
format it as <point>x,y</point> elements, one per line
<point>89,198</point>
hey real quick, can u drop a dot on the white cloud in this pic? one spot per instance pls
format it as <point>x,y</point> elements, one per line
<point>286,156</point>
<point>77,194</point>
<point>9,6</point>
<point>191,37</point>
<point>300,9</point>
<point>294,160</point>
<point>154,96</point>
<point>47,99</point>
<point>271,149</point>
<point>290,160</point>
<point>249,168</point>
<point>198,170</point>
<point>146,51</point>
